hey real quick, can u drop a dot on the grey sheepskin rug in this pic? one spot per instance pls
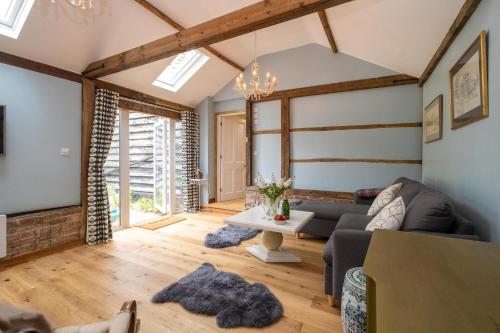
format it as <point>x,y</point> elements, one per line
<point>229,236</point>
<point>235,302</point>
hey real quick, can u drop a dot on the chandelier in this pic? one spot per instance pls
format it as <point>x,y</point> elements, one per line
<point>254,90</point>
<point>83,4</point>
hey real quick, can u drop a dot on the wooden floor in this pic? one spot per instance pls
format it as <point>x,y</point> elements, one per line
<point>237,205</point>
<point>86,284</point>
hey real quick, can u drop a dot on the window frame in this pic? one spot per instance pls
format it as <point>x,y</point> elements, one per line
<point>12,24</point>
<point>183,74</point>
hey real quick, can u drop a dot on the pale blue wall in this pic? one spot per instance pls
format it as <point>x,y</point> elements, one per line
<point>43,115</point>
<point>313,65</point>
<point>466,162</point>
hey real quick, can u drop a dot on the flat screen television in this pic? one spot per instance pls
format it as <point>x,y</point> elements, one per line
<point>2,130</point>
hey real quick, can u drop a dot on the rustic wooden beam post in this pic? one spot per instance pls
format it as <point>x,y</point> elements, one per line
<point>249,144</point>
<point>285,137</point>
<point>179,27</point>
<point>328,30</point>
<point>254,17</point>
<point>458,24</point>
<point>88,107</point>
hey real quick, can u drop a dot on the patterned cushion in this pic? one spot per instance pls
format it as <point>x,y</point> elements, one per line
<point>390,217</point>
<point>353,311</point>
<point>384,198</point>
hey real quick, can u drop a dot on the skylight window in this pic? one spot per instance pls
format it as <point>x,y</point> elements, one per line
<point>180,70</point>
<point>13,14</point>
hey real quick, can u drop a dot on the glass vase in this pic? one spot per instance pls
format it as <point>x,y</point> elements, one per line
<point>271,207</point>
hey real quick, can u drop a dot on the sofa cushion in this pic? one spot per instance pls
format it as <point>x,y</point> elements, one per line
<point>409,191</point>
<point>319,227</point>
<point>383,199</point>
<point>404,180</point>
<point>390,217</point>
<point>353,221</point>
<point>429,211</point>
<point>325,210</point>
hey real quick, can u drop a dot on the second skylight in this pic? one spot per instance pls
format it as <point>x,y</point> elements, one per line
<point>180,70</point>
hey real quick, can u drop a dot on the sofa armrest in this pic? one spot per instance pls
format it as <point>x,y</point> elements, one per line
<point>366,196</point>
<point>349,250</point>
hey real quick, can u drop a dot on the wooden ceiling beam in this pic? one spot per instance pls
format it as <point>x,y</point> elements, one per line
<point>139,96</point>
<point>175,25</point>
<point>331,88</point>
<point>328,30</point>
<point>133,105</point>
<point>10,59</point>
<point>251,18</point>
<point>463,16</point>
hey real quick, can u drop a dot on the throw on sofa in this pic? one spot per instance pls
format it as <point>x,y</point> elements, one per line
<point>427,211</point>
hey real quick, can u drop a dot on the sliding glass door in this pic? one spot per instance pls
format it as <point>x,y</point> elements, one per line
<point>142,169</point>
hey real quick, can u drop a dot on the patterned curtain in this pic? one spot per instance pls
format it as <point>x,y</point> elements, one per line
<point>98,214</point>
<point>190,140</point>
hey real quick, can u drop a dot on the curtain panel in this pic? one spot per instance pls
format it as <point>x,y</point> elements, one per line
<point>98,213</point>
<point>190,143</point>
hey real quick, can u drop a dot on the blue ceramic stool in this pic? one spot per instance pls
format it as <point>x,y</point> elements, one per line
<point>353,308</point>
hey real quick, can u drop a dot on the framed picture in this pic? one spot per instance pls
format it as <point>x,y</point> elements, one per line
<point>433,120</point>
<point>469,85</point>
<point>2,130</point>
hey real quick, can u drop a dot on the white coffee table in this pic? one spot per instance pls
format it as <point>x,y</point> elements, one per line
<point>272,237</point>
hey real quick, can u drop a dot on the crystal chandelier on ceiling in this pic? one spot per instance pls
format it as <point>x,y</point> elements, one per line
<point>83,4</point>
<point>254,90</point>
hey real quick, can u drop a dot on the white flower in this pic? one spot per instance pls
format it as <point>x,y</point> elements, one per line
<point>273,178</point>
<point>261,183</point>
<point>281,182</point>
<point>288,182</point>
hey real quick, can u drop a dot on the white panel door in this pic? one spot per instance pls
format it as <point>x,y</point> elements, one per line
<point>232,158</point>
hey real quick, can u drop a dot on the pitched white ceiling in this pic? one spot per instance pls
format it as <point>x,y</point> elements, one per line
<point>401,35</point>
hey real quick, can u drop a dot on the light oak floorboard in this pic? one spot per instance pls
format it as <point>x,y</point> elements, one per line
<point>86,284</point>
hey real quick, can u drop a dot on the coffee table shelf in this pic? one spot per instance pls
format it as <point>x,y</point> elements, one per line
<point>272,237</point>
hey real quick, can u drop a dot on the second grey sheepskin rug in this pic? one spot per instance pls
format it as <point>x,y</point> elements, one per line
<point>231,235</point>
<point>235,302</point>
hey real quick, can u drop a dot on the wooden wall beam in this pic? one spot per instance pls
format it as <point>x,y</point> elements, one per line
<point>328,30</point>
<point>379,82</point>
<point>285,137</point>
<point>34,66</point>
<point>147,108</point>
<point>88,107</point>
<point>320,193</point>
<point>175,25</point>
<point>355,127</point>
<point>139,96</point>
<point>249,143</point>
<point>463,16</point>
<point>274,131</point>
<point>354,160</point>
<point>251,18</point>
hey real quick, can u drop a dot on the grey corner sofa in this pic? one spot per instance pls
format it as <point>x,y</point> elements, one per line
<point>427,211</point>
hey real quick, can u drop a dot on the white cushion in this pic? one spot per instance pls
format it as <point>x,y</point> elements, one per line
<point>384,198</point>
<point>390,217</point>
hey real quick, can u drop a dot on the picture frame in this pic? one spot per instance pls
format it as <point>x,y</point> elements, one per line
<point>432,126</point>
<point>469,85</point>
<point>3,128</point>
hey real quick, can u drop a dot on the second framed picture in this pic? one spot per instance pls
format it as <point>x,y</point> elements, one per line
<point>433,120</point>
<point>469,85</point>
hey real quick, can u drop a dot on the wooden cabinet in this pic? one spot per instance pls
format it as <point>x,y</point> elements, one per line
<point>425,284</point>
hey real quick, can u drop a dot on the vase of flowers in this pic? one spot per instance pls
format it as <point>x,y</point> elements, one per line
<point>273,192</point>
